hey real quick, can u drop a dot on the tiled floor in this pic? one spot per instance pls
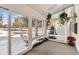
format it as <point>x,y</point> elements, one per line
<point>53,48</point>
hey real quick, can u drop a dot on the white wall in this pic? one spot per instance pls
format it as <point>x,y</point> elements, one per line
<point>77,21</point>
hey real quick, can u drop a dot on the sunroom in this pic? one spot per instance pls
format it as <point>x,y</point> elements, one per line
<point>24,28</point>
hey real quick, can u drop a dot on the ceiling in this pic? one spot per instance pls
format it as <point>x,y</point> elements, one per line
<point>42,8</point>
<point>35,10</point>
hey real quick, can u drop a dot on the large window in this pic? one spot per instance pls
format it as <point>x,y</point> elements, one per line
<point>14,30</point>
<point>37,29</point>
<point>3,31</point>
<point>59,29</point>
<point>19,33</point>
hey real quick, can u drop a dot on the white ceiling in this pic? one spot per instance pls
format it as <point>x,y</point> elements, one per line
<point>42,8</point>
<point>35,10</point>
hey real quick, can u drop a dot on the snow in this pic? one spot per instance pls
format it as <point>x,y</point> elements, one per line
<point>18,43</point>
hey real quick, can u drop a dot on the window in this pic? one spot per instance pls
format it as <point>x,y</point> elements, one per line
<point>3,31</point>
<point>19,33</point>
<point>75,28</point>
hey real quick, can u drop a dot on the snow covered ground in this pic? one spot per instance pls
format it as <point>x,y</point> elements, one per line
<point>18,43</point>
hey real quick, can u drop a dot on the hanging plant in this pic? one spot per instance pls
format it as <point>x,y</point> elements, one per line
<point>48,18</point>
<point>64,18</point>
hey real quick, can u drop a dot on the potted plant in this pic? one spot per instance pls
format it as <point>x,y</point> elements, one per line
<point>48,18</point>
<point>71,41</point>
<point>64,17</point>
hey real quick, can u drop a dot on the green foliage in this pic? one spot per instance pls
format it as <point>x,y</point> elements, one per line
<point>64,18</point>
<point>63,15</point>
<point>48,18</point>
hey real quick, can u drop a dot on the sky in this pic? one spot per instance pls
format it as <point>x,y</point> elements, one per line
<point>4,15</point>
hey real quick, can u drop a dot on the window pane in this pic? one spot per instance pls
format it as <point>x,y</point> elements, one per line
<point>19,33</point>
<point>40,28</point>
<point>3,31</point>
<point>75,28</point>
<point>33,28</point>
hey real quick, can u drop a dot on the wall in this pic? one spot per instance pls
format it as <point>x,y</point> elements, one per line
<point>76,21</point>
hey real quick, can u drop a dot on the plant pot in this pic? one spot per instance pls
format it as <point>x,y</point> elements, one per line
<point>71,40</point>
